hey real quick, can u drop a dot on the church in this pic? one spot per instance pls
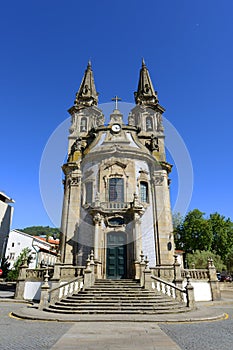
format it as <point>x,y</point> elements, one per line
<point>116,184</point>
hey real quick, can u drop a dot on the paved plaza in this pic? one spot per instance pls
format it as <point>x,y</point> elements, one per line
<point>111,335</point>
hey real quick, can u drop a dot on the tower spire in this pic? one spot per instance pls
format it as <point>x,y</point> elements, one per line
<point>145,93</point>
<point>87,95</point>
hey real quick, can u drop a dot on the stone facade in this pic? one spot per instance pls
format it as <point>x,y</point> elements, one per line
<point>116,186</point>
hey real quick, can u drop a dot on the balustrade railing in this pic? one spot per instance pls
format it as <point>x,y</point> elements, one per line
<point>199,274</point>
<point>169,289</point>
<point>38,274</point>
<point>112,205</point>
<point>66,289</point>
<point>166,272</point>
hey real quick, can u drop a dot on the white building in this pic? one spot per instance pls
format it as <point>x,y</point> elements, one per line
<point>41,251</point>
<point>6,212</point>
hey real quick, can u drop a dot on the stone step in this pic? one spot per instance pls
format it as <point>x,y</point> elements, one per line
<point>118,311</point>
<point>114,304</point>
<point>117,298</point>
<point>115,307</point>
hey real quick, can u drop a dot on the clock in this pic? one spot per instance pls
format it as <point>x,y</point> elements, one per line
<point>116,127</point>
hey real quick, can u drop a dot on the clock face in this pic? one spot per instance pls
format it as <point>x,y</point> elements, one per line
<point>116,127</point>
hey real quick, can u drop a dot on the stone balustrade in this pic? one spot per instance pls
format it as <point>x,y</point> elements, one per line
<point>168,289</point>
<point>66,289</point>
<point>112,205</point>
<point>196,274</point>
<point>166,272</point>
<point>37,274</point>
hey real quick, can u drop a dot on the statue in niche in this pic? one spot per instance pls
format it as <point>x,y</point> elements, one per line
<point>85,89</point>
<point>160,122</point>
<point>76,147</point>
<point>131,120</point>
<point>149,124</point>
<point>153,145</point>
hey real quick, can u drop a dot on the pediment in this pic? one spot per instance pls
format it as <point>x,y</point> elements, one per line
<point>115,163</point>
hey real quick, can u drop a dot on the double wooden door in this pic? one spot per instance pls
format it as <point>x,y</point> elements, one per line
<point>116,255</point>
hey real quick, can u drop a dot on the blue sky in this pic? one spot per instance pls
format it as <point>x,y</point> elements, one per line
<point>45,46</point>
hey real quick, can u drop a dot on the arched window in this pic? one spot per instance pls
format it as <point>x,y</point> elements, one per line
<point>83,124</point>
<point>149,124</point>
<point>144,192</point>
<point>89,192</point>
<point>116,189</point>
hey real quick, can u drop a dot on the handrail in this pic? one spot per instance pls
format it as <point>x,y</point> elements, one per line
<point>169,284</point>
<point>170,289</point>
<point>66,289</point>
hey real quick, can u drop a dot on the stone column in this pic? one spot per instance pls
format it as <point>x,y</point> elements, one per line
<point>97,220</point>
<point>214,283</point>
<point>163,216</point>
<point>66,200</point>
<point>137,236</point>
<point>73,214</point>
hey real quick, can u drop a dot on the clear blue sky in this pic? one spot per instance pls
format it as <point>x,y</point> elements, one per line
<point>45,46</point>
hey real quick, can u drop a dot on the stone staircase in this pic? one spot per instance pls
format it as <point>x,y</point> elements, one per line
<point>117,297</point>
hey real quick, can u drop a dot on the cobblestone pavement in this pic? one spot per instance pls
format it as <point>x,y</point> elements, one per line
<point>214,335</point>
<point>27,335</point>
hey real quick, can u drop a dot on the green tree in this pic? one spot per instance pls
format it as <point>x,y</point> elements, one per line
<point>229,261</point>
<point>177,221</point>
<point>222,229</point>
<point>194,233</point>
<point>24,255</point>
<point>41,230</point>
<point>5,267</point>
<point>200,260</point>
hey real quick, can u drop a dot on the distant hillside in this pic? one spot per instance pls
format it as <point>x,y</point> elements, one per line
<point>41,230</point>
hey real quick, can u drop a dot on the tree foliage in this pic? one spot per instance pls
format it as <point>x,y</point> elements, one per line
<point>194,233</point>
<point>41,230</point>
<point>5,267</point>
<point>24,255</point>
<point>211,235</point>
<point>200,260</point>
<point>222,234</point>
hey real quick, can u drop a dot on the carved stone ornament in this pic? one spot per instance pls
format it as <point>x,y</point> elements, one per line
<point>158,180</point>
<point>97,218</point>
<point>75,180</point>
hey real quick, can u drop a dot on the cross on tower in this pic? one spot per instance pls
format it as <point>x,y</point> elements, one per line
<point>116,99</point>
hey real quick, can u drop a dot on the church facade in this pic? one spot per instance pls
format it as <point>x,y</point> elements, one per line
<point>116,184</point>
